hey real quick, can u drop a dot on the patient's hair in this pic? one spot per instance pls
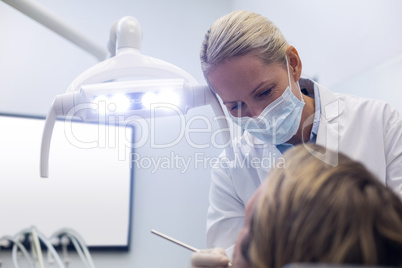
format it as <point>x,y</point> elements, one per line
<point>312,212</point>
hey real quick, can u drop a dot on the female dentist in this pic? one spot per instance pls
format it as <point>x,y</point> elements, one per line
<point>248,63</point>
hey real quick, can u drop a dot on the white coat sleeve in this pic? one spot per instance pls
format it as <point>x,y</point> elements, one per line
<point>393,148</point>
<point>225,213</point>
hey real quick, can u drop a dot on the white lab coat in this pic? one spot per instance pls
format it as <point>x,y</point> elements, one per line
<point>366,130</point>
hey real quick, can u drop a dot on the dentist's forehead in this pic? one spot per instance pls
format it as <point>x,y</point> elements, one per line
<point>243,74</point>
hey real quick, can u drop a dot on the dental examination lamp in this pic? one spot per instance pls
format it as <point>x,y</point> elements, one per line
<point>127,84</point>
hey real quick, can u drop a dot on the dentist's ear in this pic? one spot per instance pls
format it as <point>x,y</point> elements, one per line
<point>295,64</point>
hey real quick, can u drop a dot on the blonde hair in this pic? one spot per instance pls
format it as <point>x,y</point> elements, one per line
<point>239,33</point>
<point>313,212</point>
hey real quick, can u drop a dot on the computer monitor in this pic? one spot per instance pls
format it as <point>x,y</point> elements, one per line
<point>90,182</point>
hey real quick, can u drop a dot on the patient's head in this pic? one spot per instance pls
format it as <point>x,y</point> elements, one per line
<point>311,212</point>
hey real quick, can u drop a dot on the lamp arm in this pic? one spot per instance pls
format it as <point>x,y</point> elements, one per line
<point>46,139</point>
<point>213,101</point>
<point>51,21</point>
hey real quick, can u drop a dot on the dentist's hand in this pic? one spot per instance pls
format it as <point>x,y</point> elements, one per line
<point>214,257</point>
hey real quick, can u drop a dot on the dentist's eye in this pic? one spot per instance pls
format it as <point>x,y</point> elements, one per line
<point>265,93</point>
<point>234,108</point>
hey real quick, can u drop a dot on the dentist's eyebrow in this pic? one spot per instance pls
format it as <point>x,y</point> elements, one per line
<point>252,93</point>
<point>255,89</point>
<point>228,102</point>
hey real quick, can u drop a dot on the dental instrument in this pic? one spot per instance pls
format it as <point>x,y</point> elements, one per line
<point>38,242</point>
<point>66,234</point>
<point>36,248</point>
<point>177,242</point>
<point>5,241</point>
<point>33,231</point>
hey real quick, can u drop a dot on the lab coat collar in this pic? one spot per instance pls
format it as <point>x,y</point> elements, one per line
<point>331,105</point>
<point>328,131</point>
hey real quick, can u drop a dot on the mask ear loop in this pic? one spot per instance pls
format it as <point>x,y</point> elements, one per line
<point>290,83</point>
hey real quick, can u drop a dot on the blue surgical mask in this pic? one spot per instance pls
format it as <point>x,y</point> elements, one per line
<point>279,121</point>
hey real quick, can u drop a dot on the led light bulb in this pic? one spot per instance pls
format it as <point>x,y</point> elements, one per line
<point>170,97</point>
<point>148,98</point>
<point>121,101</point>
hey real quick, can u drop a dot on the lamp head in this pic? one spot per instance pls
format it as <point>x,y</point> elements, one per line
<point>128,83</point>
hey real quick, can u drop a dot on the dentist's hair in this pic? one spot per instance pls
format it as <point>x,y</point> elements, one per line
<point>313,212</point>
<point>240,33</point>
